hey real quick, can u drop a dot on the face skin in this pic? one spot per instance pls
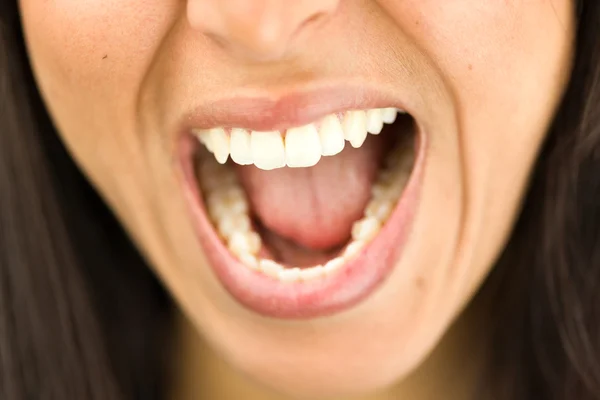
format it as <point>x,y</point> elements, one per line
<point>118,75</point>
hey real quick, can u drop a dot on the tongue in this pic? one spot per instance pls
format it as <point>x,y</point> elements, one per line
<point>315,207</point>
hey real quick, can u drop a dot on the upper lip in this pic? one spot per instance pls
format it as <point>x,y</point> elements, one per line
<point>271,111</point>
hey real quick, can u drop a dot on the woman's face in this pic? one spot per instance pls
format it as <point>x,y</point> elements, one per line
<point>128,81</point>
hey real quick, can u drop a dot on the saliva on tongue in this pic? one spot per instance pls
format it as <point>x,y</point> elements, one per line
<point>313,208</point>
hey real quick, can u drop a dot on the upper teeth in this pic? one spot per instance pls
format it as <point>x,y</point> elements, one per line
<point>296,147</point>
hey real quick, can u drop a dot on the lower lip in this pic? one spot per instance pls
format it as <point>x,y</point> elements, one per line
<point>322,296</point>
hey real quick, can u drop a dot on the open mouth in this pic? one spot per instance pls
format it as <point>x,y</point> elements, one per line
<point>306,221</point>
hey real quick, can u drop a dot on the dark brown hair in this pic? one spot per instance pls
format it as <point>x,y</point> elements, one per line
<point>82,317</point>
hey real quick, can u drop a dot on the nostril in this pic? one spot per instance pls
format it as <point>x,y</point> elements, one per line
<point>219,40</point>
<point>310,22</point>
<point>258,33</point>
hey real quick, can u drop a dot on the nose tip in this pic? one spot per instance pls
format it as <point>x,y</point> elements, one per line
<point>257,29</point>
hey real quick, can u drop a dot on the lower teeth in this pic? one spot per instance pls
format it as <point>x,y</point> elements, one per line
<point>228,209</point>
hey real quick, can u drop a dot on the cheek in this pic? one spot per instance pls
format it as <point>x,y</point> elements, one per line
<point>504,64</point>
<point>90,59</point>
<point>489,48</point>
<point>91,55</point>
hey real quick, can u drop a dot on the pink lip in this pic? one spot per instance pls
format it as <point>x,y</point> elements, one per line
<point>321,296</point>
<point>291,109</point>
